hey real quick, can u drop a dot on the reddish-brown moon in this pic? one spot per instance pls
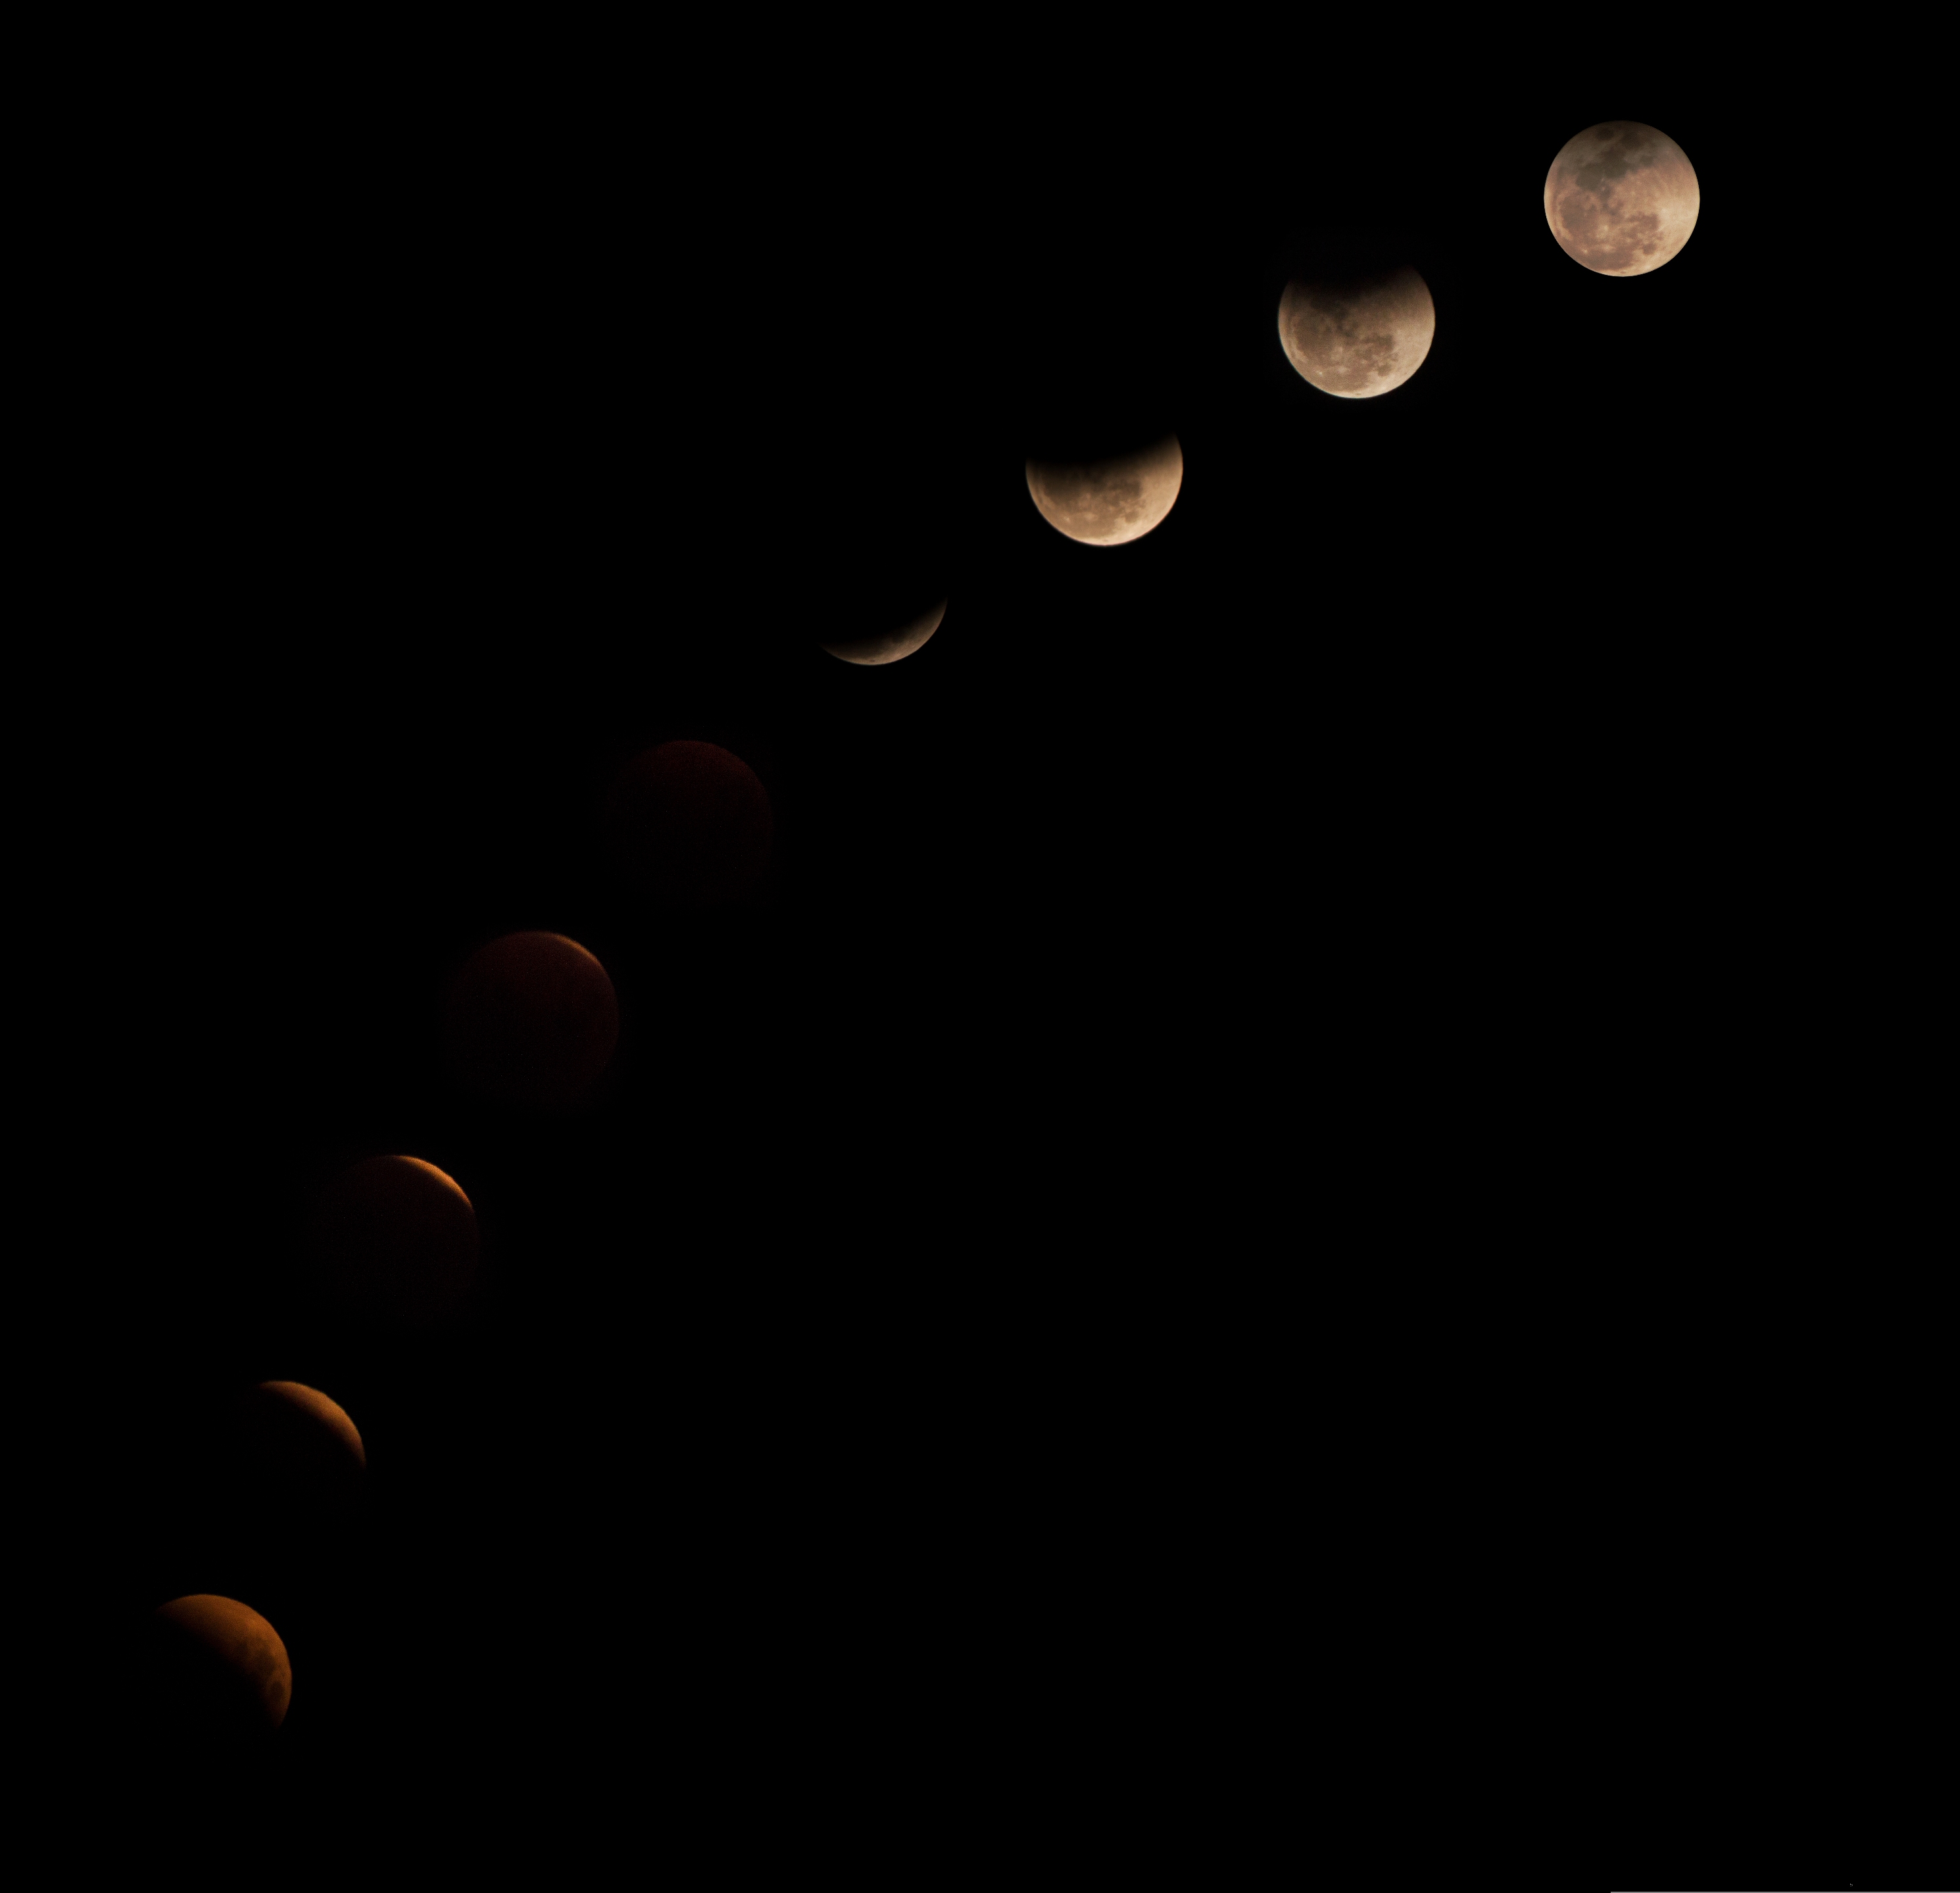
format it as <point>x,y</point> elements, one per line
<point>688,825</point>
<point>221,1670</point>
<point>531,1021</point>
<point>395,1239</point>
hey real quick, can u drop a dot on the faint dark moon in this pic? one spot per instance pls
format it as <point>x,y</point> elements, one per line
<point>395,1239</point>
<point>1110,502</point>
<point>1357,334</point>
<point>887,647</point>
<point>297,1440</point>
<point>1621,199</point>
<point>531,1022</point>
<point>688,825</point>
<point>220,1673</point>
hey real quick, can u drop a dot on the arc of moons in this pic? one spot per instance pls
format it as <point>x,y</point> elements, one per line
<point>1621,199</point>
<point>1110,502</point>
<point>1360,335</point>
<point>887,647</point>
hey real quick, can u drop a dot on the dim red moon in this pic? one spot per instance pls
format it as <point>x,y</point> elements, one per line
<point>395,1239</point>
<point>531,1021</point>
<point>688,825</point>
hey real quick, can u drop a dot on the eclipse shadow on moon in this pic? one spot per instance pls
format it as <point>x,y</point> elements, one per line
<point>394,1239</point>
<point>1355,335</point>
<point>1621,199</point>
<point>1112,501</point>
<point>219,1676</point>
<point>531,1022</point>
<point>688,825</point>
<point>887,647</point>
<point>302,1459</point>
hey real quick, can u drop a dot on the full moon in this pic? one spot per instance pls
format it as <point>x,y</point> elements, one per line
<point>1110,502</point>
<point>531,1021</point>
<point>221,1670</point>
<point>394,1238</point>
<point>1357,335</point>
<point>887,647</point>
<point>1621,199</point>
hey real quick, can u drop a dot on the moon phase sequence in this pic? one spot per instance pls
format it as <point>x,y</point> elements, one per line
<point>1357,336</point>
<point>1110,502</point>
<point>1621,199</point>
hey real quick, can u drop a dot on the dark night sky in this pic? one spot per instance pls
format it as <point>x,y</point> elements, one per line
<point>1183,999</point>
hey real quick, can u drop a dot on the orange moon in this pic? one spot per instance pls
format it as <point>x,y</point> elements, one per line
<point>395,1238</point>
<point>222,1669</point>
<point>1621,199</point>
<point>887,647</point>
<point>531,1021</point>
<point>1110,502</point>
<point>688,825</point>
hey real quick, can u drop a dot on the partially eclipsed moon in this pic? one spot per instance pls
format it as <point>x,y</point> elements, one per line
<point>1110,502</point>
<point>1621,199</point>
<point>1360,335</point>
<point>887,647</point>
<point>290,1428</point>
<point>395,1239</point>
<point>531,1021</point>
<point>222,1671</point>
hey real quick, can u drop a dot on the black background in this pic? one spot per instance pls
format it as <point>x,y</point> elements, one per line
<point>1009,1306</point>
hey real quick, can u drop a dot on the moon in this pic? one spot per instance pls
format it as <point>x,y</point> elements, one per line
<point>220,1671</point>
<point>1621,199</point>
<point>689,824</point>
<point>395,1239</point>
<point>1357,335</point>
<point>1110,502</point>
<point>531,1022</point>
<point>295,1434</point>
<point>887,647</point>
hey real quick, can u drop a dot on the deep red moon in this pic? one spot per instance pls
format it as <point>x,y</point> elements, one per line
<point>689,824</point>
<point>219,1672</point>
<point>532,1022</point>
<point>395,1239</point>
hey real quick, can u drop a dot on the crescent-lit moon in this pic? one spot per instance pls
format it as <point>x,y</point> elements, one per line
<point>887,647</point>
<point>1110,502</point>
<point>299,1427</point>
<point>223,1670</point>
<point>1621,199</point>
<point>1357,335</point>
<point>395,1239</point>
<point>531,1021</point>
